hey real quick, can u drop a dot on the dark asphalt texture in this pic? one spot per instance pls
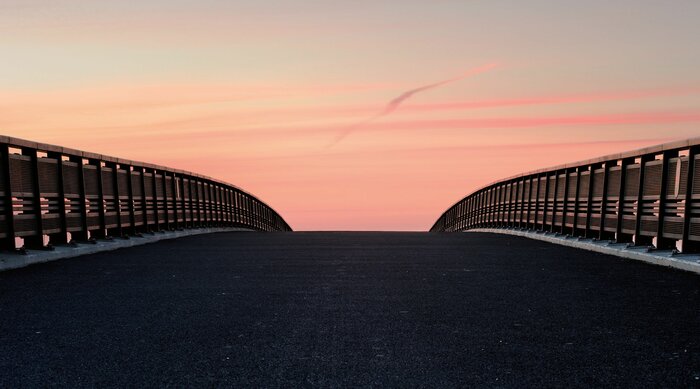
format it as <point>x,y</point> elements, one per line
<point>349,309</point>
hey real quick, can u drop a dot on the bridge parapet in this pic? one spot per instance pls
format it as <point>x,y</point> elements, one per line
<point>50,194</point>
<point>646,197</point>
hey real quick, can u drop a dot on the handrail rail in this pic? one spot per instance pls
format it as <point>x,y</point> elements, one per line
<point>649,196</point>
<point>49,191</point>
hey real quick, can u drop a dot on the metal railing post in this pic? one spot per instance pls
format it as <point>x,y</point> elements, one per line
<point>510,204</point>
<point>589,208</point>
<point>156,207</point>
<point>522,203</point>
<point>184,202</point>
<point>102,232</point>
<point>197,203</point>
<point>577,197</point>
<point>621,199</point>
<point>174,193</point>
<point>529,203</point>
<point>546,201</point>
<point>491,205</point>
<point>638,239</point>
<point>61,237</point>
<point>565,201</point>
<point>166,200</point>
<point>686,243</point>
<point>118,206</point>
<point>83,235</point>
<point>36,241</point>
<point>662,242</point>
<point>555,200</point>
<point>144,205</point>
<point>537,179</point>
<point>8,200</point>
<point>132,208</point>
<point>604,200</point>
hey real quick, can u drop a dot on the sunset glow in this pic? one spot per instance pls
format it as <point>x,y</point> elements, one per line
<point>351,115</point>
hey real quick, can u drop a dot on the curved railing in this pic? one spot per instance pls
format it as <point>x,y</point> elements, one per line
<point>51,194</point>
<point>647,197</point>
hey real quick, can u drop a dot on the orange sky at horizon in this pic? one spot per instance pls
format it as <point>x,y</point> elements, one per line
<point>365,123</point>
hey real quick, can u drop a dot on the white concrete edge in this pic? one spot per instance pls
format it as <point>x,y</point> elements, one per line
<point>668,258</point>
<point>15,261</point>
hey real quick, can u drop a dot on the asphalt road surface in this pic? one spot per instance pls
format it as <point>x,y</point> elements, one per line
<point>349,309</point>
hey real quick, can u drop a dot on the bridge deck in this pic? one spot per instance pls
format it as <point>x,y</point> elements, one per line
<point>334,309</point>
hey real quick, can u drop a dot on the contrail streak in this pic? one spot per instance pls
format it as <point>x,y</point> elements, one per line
<point>394,104</point>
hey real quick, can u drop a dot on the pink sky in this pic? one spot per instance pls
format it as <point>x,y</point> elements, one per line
<point>351,117</point>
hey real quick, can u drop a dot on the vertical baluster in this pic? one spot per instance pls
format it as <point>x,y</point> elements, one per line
<point>536,193</point>
<point>156,216</point>
<point>565,201</point>
<point>132,209</point>
<point>9,242</point>
<point>604,200</point>
<point>491,196</point>
<point>529,202</point>
<point>191,203</point>
<point>521,208</point>
<point>470,212</point>
<point>577,200</point>
<point>478,209</point>
<point>483,207</point>
<point>226,205</point>
<point>661,242</point>
<point>61,237</point>
<point>178,209</point>
<point>546,201</point>
<point>589,209</point>
<point>206,193</point>
<point>686,244</point>
<point>102,232</point>
<point>184,202</point>
<point>217,204</point>
<point>201,210</point>
<point>37,240</point>
<point>144,206</point>
<point>83,235</point>
<point>166,200</point>
<point>621,200</point>
<point>638,239</point>
<point>118,208</point>
<point>509,204</point>
<point>554,199</point>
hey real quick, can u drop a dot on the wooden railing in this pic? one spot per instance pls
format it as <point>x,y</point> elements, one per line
<point>646,197</point>
<point>50,195</point>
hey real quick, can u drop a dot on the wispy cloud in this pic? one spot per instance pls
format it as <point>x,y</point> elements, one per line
<point>207,127</point>
<point>560,99</point>
<point>160,109</point>
<point>394,104</point>
<point>213,134</point>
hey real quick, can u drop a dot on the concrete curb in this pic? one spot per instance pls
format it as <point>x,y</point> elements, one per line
<point>668,258</point>
<point>14,261</point>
